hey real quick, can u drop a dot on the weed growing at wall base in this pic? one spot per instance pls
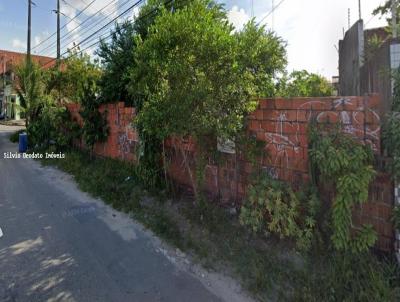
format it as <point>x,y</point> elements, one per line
<point>273,206</point>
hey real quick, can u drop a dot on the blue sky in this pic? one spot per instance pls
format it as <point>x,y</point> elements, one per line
<point>311,28</point>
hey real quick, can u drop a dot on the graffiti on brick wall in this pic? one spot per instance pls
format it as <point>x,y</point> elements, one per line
<point>287,136</point>
<point>126,141</point>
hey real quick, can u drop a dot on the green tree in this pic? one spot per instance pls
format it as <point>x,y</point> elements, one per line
<point>116,58</point>
<point>385,10</point>
<point>391,129</point>
<point>117,55</point>
<point>95,127</point>
<point>30,87</point>
<point>152,9</point>
<point>197,77</point>
<point>304,84</point>
<point>68,82</point>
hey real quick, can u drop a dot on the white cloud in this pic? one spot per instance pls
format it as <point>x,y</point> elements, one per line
<point>37,40</point>
<point>110,10</point>
<point>101,12</point>
<point>238,17</point>
<point>18,44</point>
<point>90,51</point>
<point>312,28</point>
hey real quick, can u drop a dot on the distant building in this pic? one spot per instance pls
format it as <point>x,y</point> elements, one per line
<point>366,61</point>
<point>9,100</point>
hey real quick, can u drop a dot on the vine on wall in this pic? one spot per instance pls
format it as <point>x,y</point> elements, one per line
<point>345,165</point>
<point>95,128</point>
<point>391,140</point>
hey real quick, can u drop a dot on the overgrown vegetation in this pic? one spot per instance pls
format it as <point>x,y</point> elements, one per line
<point>272,206</point>
<point>385,10</point>
<point>190,75</point>
<point>117,57</point>
<point>14,137</point>
<point>67,84</point>
<point>304,84</point>
<point>53,126</point>
<point>346,167</point>
<point>31,87</point>
<point>391,140</point>
<point>348,277</point>
<point>195,77</point>
<point>43,94</point>
<point>95,127</point>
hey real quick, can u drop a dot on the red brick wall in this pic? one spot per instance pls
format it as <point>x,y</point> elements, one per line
<point>122,139</point>
<point>283,125</point>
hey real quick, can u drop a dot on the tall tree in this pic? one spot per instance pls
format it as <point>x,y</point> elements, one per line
<point>77,71</point>
<point>385,10</point>
<point>304,84</point>
<point>116,58</point>
<point>30,87</point>
<point>199,78</point>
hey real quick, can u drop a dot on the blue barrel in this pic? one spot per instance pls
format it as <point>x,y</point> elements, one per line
<point>23,142</point>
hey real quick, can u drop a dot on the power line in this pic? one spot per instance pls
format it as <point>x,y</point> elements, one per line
<point>370,19</point>
<point>85,40</point>
<point>270,12</point>
<point>110,22</point>
<point>89,28</point>
<point>70,5</point>
<point>123,27</point>
<point>76,16</point>
<point>70,33</point>
<point>97,42</point>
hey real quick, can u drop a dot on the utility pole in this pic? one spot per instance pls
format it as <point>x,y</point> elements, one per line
<point>4,73</point>
<point>394,19</point>
<point>348,18</point>
<point>58,33</point>
<point>4,88</point>
<point>28,48</point>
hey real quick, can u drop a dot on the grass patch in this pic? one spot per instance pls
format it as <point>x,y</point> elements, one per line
<point>14,137</point>
<point>267,267</point>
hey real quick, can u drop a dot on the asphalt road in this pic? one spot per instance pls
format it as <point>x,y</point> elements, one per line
<point>59,244</point>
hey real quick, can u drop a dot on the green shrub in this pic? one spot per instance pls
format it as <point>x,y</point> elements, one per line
<point>396,218</point>
<point>14,138</point>
<point>349,277</point>
<point>95,128</point>
<point>391,140</point>
<point>53,126</point>
<point>274,207</point>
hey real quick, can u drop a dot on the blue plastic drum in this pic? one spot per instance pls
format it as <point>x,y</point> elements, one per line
<point>23,142</point>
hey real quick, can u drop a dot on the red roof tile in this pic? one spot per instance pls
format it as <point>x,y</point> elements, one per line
<point>14,58</point>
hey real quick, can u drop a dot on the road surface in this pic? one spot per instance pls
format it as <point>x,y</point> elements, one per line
<point>59,244</point>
